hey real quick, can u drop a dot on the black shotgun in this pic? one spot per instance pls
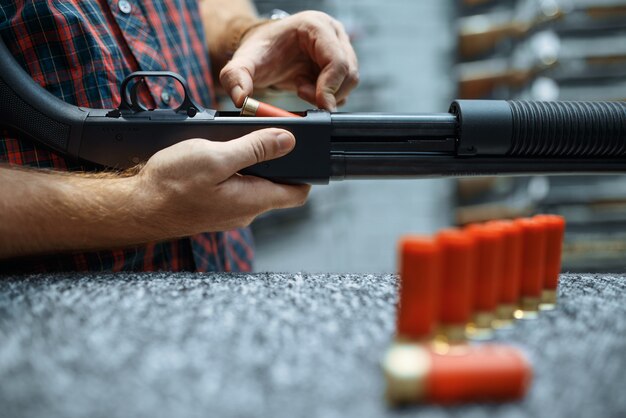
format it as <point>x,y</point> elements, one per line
<point>476,137</point>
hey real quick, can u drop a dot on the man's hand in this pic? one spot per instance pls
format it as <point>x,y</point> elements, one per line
<point>195,186</point>
<point>309,53</point>
<point>187,188</point>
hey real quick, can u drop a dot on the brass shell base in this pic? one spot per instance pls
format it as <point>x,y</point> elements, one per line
<point>451,334</point>
<point>405,366</point>
<point>529,308</point>
<point>548,300</point>
<point>505,316</point>
<point>480,329</point>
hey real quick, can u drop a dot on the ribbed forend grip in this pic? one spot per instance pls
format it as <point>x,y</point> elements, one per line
<point>575,129</point>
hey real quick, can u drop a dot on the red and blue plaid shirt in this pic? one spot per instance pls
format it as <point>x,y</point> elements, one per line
<point>81,50</point>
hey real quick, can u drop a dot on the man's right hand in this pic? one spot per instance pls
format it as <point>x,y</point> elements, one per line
<point>188,188</point>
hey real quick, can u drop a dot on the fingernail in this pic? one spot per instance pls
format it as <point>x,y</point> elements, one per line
<point>332,103</point>
<point>237,93</point>
<point>285,142</point>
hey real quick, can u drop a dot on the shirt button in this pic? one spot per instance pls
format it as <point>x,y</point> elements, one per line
<point>124,6</point>
<point>165,97</point>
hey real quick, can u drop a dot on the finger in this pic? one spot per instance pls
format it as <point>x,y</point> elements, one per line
<point>236,78</point>
<point>352,77</point>
<point>336,81</point>
<point>256,195</point>
<point>307,93</point>
<point>328,83</point>
<point>330,49</point>
<point>306,89</point>
<point>344,40</point>
<point>330,80</point>
<point>335,84</point>
<point>328,54</point>
<point>256,147</point>
<point>349,83</point>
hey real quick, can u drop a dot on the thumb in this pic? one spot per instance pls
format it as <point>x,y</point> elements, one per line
<point>236,79</point>
<point>256,147</point>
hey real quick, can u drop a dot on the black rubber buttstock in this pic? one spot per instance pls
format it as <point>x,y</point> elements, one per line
<point>27,107</point>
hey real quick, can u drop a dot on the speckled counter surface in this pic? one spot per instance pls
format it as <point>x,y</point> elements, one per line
<point>271,345</point>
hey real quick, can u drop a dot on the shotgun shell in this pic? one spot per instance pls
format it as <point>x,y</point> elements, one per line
<point>554,226</point>
<point>510,274</point>
<point>419,288</point>
<point>252,107</point>
<point>480,373</point>
<point>455,302</point>
<point>486,279</point>
<point>533,266</point>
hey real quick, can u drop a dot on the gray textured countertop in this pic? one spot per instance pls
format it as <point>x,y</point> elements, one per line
<point>271,345</point>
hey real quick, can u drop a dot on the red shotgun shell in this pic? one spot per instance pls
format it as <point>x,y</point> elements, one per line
<point>533,264</point>
<point>511,267</point>
<point>458,258</point>
<point>554,226</point>
<point>492,373</point>
<point>252,107</point>
<point>487,271</point>
<point>420,263</point>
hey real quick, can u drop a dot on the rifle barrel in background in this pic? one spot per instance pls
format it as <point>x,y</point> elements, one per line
<point>481,34</point>
<point>546,54</point>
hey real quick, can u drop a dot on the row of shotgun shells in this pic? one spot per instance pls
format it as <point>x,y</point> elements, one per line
<point>463,283</point>
<point>468,280</point>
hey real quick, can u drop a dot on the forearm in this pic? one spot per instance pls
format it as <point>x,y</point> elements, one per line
<point>185,189</point>
<point>42,212</point>
<point>224,22</point>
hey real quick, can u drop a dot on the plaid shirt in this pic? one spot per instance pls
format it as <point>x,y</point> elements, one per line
<point>81,50</point>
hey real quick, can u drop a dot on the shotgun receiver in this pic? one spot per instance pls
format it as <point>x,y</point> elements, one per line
<point>474,138</point>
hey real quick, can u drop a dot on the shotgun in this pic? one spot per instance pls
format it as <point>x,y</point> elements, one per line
<point>474,138</point>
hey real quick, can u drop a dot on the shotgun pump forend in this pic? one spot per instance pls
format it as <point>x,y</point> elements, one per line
<point>476,137</point>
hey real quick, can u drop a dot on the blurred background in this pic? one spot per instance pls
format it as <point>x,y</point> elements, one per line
<point>417,56</point>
